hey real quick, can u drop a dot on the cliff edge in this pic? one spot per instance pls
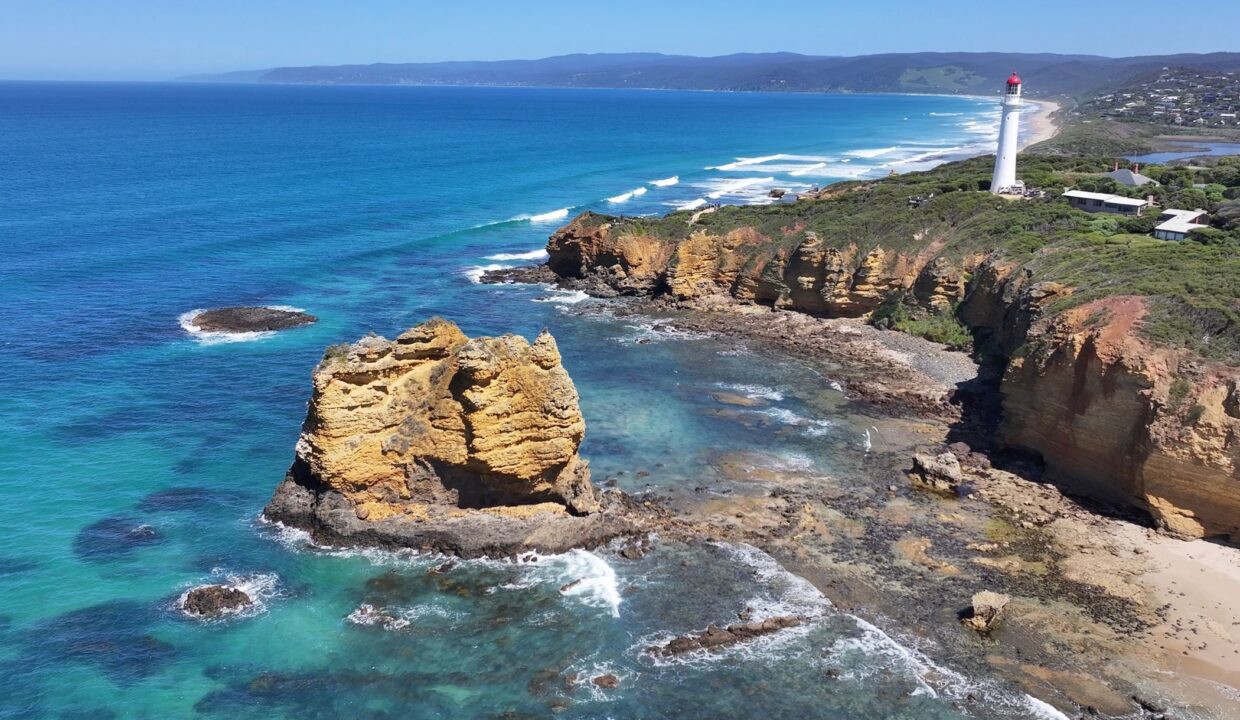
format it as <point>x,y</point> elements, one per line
<point>435,441</point>
<point>1119,352</point>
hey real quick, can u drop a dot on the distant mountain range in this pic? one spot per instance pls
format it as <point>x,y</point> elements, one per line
<point>964,73</point>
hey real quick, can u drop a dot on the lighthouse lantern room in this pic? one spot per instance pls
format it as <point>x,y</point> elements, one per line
<point>1004,180</point>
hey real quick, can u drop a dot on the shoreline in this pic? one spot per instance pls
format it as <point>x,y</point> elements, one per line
<point>1042,126</point>
<point>1146,617</point>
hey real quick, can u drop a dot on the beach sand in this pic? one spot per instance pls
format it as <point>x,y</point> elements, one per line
<point>1041,126</point>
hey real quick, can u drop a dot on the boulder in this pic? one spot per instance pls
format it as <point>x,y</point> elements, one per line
<point>607,682</point>
<point>936,472</point>
<point>215,600</point>
<point>986,610</point>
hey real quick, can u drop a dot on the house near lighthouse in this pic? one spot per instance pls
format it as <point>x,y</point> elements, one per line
<point>1004,179</point>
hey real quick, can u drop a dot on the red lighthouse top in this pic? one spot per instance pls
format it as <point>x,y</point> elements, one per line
<point>1014,80</point>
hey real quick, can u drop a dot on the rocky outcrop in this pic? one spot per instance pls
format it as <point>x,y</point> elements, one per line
<point>215,600</point>
<point>249,319</point>
<point>986,610</point>
<point>609,257</point>
<point>1109,415</point>
<point>437,441</point>
<point>940,473</point>
<point>715,637</point>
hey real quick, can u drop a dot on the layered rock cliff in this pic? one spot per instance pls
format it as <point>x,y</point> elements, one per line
<point>437,441</point>
<point>1111,415</point>
<point>808,275</point>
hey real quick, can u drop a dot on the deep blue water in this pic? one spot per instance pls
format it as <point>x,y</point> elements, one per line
<point>135,456</point>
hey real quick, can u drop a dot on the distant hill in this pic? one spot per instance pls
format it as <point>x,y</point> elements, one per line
<point>963,73</point>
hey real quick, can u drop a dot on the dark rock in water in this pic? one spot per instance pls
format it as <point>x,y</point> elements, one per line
<point>607,682</point>
<point>444,568</point>
<point>113,636</point>
<point>714,637</point>
<point>529,275</point>
<point>215,600</point>
<point>569,586</point>
<point>250,319</point>
<point>13,566</point>
<point>112,537</point>
<point>184,498</point>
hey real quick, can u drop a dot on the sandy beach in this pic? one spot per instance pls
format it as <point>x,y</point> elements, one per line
<point>1041,126</point>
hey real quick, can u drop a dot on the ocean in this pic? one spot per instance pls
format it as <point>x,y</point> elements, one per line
<point>136,453</point>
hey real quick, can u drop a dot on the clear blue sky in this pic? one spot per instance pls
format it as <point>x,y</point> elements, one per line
<point>159,39</point>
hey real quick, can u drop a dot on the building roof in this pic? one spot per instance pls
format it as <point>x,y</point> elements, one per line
<point>1181,221</point>
<point>1124,176</point>
<point>1104,197</point>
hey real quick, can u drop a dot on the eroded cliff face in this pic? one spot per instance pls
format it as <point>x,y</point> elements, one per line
<point>412,441</point>
<point>1110,415</point>
<point>811,276</point>
<point>1116,418</point>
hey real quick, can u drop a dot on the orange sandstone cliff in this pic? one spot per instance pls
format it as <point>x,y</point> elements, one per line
<point>1110,415</point>
<point>437,441</point>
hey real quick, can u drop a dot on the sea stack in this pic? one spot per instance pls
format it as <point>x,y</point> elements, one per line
<point>435,441</point>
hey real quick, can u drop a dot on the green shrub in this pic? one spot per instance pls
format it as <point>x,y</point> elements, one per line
<point>1178,393</point>
<point>334,353</point>
<point>942,327</point>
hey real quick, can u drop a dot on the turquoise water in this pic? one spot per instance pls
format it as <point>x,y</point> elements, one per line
<point>135,456</point>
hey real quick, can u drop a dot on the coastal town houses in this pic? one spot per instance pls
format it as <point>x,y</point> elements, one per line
<point>1131,178</point>
<point>1178,224</point>
<point>1093,202</point>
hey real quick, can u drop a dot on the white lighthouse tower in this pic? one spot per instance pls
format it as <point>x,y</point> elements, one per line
<point>1004,179</point>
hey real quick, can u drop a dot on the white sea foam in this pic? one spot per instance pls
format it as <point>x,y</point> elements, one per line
<point>205,337</point>
<point>564,297</point>
<point>789,594</point>
<point>734,187</point>
<point>808,170</point>
<point>656,330</point>
<point>666,182</point>
<point>691,205</point>
<point>259,587</point>
<point>538,254</point>
<point>872,153</point>
<point>754,391</point>
<point>807,426</point>
<point>943,114</point>
<point>582,575</point>
<point>625,197</point>
<point>1043,710</point>
<point>549,216</point>
<point>475,272</point>
<point>744,162</point>
<point>368,615</point>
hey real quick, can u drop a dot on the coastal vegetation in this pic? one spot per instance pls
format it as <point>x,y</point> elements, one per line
<point>1193,286</point>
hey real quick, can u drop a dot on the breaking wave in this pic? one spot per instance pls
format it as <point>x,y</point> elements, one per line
<point>625,197</point>
<point>876,152</point>
<point>549,216</point>
<point>666,182</point>
<point>475,272</point>
<point>531,255</point>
